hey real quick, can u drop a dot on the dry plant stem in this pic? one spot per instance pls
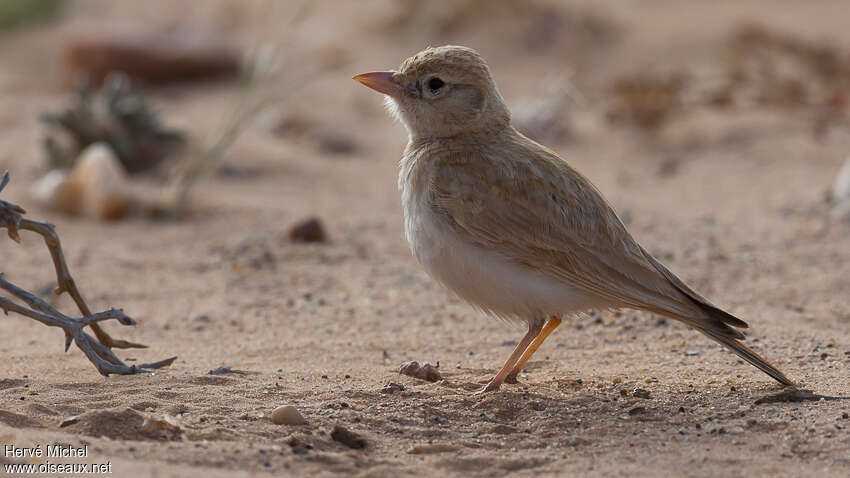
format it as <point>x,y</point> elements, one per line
<point>66,282</point>
<point>98,351</point>
<point>176,193</point>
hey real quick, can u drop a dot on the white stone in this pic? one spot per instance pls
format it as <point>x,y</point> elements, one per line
<point>287,415</point>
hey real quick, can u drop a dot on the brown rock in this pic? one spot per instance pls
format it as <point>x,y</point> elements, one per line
<point>348,437</point>
<point>308,230</point>
<point>423,372</point>
<point>150,56</point>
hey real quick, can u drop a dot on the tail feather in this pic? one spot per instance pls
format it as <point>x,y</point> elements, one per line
<point>750,356</point>
<point>715,323</point>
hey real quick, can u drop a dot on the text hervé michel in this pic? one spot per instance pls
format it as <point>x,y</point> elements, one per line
<point>46,451</point>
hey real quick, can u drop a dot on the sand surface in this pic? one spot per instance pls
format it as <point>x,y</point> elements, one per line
<point>732,201</point>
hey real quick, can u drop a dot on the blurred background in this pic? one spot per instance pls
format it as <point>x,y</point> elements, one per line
<point>179,91</point>
<point>212,168</point>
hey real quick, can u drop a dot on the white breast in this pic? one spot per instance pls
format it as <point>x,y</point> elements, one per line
<point>486,279</point>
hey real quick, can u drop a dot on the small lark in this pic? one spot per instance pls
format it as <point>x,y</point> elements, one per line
<point>509,226</point>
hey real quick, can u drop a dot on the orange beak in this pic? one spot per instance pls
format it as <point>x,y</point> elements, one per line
<point>381,81</point>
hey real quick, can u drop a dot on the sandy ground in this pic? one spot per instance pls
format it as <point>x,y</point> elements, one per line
<point>324,327</point>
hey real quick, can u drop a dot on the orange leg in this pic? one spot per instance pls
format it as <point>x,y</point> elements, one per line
<point>534,328</point>
<point>550,326</point>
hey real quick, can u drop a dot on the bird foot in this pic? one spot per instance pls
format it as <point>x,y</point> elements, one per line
<point>492,386</point>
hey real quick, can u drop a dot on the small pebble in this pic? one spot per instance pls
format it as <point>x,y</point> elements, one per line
<point>308,230</point>
<point>75,418</point>
<point>425,371</point>
<point>392,387</point>
<point>640,393</point>
<point>287,415</point>
<point>691,353</point>
<point>348,437</point>
<point>431,449</point>
<point>617,380</point>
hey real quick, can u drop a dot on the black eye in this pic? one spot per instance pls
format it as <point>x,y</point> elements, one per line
<point>435,84</point>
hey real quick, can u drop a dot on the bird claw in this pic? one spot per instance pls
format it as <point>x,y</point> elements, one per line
<point>490,387</point>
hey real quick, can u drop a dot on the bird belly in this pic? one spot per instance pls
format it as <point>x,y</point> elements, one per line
<point>486,279</point>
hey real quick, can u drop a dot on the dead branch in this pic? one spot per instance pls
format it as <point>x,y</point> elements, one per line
<point>98,351</point>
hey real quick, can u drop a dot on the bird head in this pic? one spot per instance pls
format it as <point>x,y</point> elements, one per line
<point>442,92</point>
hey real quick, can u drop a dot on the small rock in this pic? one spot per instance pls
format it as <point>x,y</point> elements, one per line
<point>287,415</point>
<point>423,372</point>
<point>691,353</point>
<point>348,438</point>
<point>74,419</point>
<point>97,187</point>
<point>163,424</point>
<point>221,370</point>
<point>845,415</point>
<point>308,230</point>
<point>53,191</point>
<point>640,393</point>
<point>299,447</point>
<point>617,380</point>
<point>392,387</point>
<point>151,56</point>
<point>637,410</point>
<point>431,449</point>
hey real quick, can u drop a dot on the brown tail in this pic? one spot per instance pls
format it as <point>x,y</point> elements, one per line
<point>721,326</point>
<point>751,356</point>
<point>717,324</point>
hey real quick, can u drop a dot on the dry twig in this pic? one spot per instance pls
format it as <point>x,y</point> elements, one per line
<point>98,351</point>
